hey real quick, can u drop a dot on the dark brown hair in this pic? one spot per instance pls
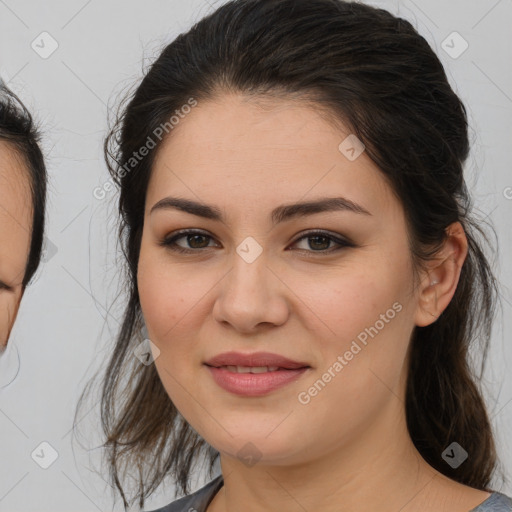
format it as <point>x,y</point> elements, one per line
<point>376,74</point>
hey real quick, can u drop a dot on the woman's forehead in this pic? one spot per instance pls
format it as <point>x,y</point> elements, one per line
<point>290,153</point>
<point>15,213</point>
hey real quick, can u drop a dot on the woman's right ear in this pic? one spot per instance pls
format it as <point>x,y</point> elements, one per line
<point>441,280</point>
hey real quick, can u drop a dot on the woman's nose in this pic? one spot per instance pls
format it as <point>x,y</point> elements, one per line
<point>251,293</point>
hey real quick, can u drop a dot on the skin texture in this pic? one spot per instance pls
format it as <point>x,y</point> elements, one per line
<point>15,229</point>
<point>348,448</point>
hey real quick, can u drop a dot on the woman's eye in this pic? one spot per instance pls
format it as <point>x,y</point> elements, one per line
<point>320,241</point>
<point>4,286</point>
<point>194,241</point>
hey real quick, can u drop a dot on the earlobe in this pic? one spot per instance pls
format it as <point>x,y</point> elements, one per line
<point>440,282</point>
<point>428,305</point>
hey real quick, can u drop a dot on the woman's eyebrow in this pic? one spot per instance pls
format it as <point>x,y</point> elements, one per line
<point>280,214</point>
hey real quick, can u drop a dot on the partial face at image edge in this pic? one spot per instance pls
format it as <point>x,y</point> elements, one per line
<point>15,236</point>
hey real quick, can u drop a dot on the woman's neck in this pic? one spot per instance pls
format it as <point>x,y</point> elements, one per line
<point>380,469</point>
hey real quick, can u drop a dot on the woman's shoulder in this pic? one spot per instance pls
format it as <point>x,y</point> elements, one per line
<point>496,502</point>
<point>197,501</point>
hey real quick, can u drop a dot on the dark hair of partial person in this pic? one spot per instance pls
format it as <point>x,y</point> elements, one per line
<point>19,131</point>
<point>372,71</point>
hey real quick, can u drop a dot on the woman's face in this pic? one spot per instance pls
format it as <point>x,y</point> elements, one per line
<point>251,285</point>
<point>15,234</point>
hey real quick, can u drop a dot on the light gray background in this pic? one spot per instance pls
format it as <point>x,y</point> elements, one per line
<point>66,321</point>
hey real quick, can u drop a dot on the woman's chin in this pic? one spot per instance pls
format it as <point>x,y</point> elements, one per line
<point>257,448</point>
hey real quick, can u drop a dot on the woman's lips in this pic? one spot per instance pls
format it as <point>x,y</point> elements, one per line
<point>253,384</point>
<point>253,359</point>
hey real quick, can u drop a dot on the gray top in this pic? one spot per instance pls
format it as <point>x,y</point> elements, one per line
<point>199,500</point>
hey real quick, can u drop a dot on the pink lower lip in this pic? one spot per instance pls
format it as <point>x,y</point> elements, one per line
<point>253,384</point>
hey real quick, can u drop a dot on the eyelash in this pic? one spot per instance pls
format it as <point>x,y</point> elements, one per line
<point>170,242</point>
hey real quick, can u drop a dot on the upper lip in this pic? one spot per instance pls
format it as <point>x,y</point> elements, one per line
<point>254,359</point>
